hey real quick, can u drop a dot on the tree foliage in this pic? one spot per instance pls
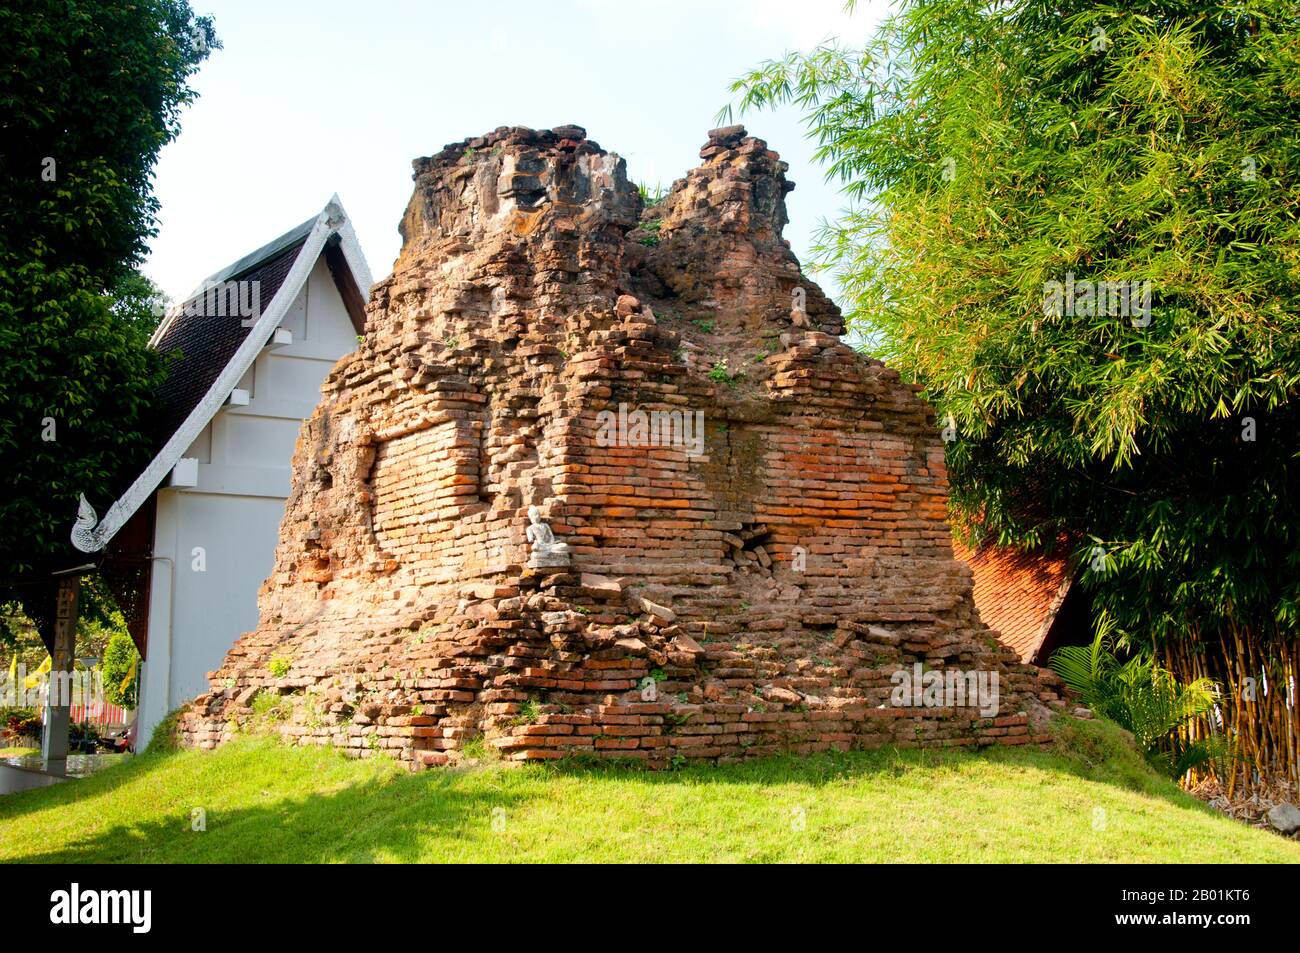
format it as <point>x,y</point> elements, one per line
<point>990,150</point>
<point>120,667</point>
<point>98,620</point>
<point>90,92</point>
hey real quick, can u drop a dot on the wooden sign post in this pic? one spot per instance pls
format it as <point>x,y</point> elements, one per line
<point>58,695</point>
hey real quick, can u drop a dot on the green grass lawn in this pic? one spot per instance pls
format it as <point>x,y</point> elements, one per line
<point>1090,800</point>
<point>18,752</point>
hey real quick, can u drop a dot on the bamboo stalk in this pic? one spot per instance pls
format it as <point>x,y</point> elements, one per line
<point>1263,726</point>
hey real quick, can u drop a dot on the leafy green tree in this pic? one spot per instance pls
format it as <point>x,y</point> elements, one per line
<point>19,638</point>
<point>98,620</point>
<point>90,92</point>
<point>138,302</point>
<point>1004,159</point>
<point>121,663</point>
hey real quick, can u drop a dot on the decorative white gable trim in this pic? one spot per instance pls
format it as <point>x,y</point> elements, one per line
<point>332,220</point>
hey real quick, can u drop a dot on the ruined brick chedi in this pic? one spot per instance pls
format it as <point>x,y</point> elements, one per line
<point>602,479</point>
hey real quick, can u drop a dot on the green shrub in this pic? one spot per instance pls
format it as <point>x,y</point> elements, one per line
<point>166,734</point>
<point>19,723</point>
<point>651,195</point>
<point>1143,699</point>
<point>720,375</point>
<point>269,707</point>
<point>121,663</point>
<point>477,749</point>
<point>80,731</point>
<point>529,712</point>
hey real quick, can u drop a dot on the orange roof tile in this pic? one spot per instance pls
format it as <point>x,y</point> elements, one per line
<point>1018,593</point>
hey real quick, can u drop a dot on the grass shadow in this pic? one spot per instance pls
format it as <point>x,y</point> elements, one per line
<point>263,802</point>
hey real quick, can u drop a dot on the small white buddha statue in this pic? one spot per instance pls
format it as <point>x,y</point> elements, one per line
<point>546,549</point>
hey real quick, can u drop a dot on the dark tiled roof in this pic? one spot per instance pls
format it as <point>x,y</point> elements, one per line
<point>1018,593</point>
<point>205,343</point>
<point>290,239</point>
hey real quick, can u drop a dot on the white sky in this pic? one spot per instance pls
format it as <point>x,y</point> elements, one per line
<point>312,97</point>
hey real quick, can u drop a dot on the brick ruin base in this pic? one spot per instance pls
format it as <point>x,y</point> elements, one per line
<point>748,593</point>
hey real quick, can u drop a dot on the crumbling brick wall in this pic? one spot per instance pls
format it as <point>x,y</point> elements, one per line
<point>751,591</point>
